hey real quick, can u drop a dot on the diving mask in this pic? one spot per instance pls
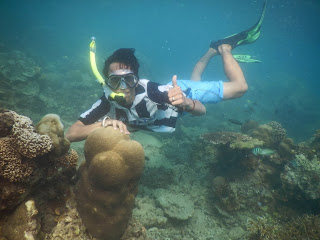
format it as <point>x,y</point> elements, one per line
<point>122,78</point>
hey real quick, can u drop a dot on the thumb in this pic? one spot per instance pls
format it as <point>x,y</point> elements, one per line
<point>174,81</point>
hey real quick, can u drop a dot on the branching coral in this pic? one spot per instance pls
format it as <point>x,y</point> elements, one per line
<point>12,166</point>
<point>28,143</point>
<point>26,158</point>
<point>262,228</point>
<point>68,160</point>
<point>305,227</point>
<point>235,140</point>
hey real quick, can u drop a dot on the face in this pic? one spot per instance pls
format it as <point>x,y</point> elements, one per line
<point>129,93</point>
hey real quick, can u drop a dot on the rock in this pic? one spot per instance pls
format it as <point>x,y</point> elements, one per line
<point>176,205</point>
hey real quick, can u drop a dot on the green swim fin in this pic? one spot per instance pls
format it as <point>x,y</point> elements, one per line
<point>245,59</point>
<point>245,37</point>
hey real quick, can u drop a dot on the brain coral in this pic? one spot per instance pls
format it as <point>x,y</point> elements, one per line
<point>51,125</point>
<point>109,182</point>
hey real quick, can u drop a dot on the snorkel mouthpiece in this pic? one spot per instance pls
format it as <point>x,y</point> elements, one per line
<point>118,97</point>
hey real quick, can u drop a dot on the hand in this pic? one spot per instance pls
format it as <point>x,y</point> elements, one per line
<point>117,125</point>
<point>175,94</point>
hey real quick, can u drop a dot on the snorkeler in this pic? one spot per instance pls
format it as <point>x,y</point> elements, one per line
<point>139,103</point>
<point>132,102</point>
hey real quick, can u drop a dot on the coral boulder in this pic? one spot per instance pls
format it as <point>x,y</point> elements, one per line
<point>109,182</point>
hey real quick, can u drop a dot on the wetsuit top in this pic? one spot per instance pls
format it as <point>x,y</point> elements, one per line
<point>150,110</point>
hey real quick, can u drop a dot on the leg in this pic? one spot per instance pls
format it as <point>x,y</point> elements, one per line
<point>237,85</point>
<point>202,64</point>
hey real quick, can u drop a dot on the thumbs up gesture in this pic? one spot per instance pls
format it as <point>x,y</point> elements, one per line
<point>175,94</point>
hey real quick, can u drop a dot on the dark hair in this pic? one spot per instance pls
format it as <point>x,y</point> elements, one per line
<point>124,56</point>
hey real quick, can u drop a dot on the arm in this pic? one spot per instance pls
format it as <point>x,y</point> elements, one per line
<point>177,98</point>
<point>79,132</point>
<point>195,107</point>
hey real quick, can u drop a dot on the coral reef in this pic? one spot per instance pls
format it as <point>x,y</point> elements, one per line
<point>6,122</point>
<point>12,165</point>
<point>305,227</point>
<point>19,86</point>
<point>68,224</point>
<point>315,144</point>
<point>157,177</point>
<point>27,159</point>
<point>230,148</point>
<point>176,205</point>
<point>224,194</point>
<point>68,160</point>
<point>51,126</point>
<point>271,134</point>
<point>34,90</point>
<point>286,148</point>
<point>267,185</point>
<point>148,212</point>
<point>109,182</point>
<point>234,140</point>
<point>301,178</point>
<point>26,140</point>
<point>23,223</point>
<point>249,126</point>
<point>262,228</point>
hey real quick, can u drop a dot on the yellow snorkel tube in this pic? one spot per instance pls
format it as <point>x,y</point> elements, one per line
<point>93,62</point>
<point>119,97</point>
